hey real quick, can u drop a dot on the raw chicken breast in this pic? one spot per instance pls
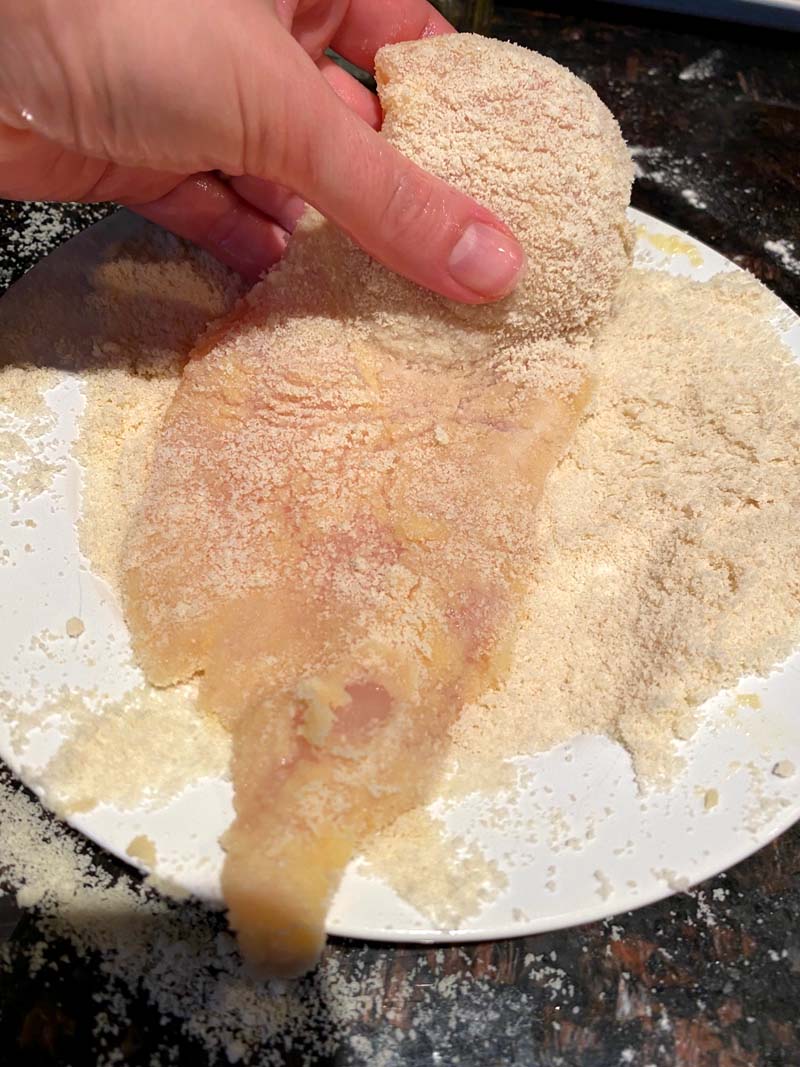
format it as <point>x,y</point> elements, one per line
<point>339,520</point>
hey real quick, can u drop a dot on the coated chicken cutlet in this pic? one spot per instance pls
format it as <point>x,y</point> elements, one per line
<point>339,522</point>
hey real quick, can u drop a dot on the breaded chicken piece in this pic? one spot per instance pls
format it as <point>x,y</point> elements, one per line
<point>340,516</point>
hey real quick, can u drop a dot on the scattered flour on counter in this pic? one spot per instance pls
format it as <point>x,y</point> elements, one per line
<point>685,176</point>
<point>40,227</point>
<point>702,69</point>
<point>785,251</point>
<point>691,196</point>
<point>42,224</point>
<point>358,1005</point>
<point>658,164</point>
<point>645,161</point>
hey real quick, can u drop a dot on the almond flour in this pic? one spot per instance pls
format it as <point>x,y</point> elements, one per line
<point>668,548</point>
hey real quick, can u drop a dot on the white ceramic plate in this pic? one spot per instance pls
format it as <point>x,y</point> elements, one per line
<point>604,848</point>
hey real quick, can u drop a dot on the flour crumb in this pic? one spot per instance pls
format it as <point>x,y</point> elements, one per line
<point>749,700</point>
<point>142,848</point>
<point>604,887</point>
<point>678,883</point>
<point>702,69</point>
<point>710,799</point>
<point>783,769</point>
<point>691,196</point>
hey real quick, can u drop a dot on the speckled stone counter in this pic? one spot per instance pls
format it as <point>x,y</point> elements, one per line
<point>709,978</point>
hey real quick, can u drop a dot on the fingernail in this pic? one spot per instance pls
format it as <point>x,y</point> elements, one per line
<point>486,261</point>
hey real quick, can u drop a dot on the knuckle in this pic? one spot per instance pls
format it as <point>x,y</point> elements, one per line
<point>223,229</point>
<point>412,208</point>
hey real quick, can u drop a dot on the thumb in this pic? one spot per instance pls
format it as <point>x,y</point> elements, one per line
<point>409,220</point>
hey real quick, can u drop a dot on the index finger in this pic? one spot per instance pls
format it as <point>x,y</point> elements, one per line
<point>368,26</point>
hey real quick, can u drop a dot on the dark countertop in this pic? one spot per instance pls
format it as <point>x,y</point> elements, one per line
<point>709,978</point>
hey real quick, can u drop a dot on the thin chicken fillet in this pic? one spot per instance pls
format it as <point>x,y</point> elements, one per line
<point>338,527</point>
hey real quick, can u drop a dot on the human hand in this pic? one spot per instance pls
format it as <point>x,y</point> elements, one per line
<point>142,104</point>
